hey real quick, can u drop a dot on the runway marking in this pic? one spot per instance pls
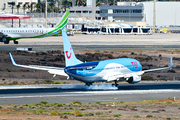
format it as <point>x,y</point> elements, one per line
<point>90,93</point>
<point>164,41</point>
<point>28,86</point>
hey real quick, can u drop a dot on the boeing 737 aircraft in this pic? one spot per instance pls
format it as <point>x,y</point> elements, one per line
<point>8,34</point>
<point>97,71</point>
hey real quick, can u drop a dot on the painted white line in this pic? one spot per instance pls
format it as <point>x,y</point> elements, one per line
<point>28,86</point>
<point>90,93</point>
<point>128,92</point>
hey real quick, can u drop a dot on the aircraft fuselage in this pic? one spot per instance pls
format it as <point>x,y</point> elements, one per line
<point>101,70</point>
<point>25,32</point>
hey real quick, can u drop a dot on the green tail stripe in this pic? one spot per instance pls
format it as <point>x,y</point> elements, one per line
<point>65,17</point>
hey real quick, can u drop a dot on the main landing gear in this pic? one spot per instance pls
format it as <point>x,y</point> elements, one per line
<point>88,84</point>
<point>115,83</point>
<point>15,42</point>
<point>5,40</point>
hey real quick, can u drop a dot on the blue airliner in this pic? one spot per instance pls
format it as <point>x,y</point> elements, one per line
<point>97,71</point>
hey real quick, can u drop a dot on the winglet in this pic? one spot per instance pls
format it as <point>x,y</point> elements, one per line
<point>171,62</point>
<point>12,59</point>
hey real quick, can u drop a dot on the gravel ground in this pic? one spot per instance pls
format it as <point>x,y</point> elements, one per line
<point>148,59</point>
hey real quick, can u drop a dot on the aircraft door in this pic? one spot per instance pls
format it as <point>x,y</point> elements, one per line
<point>84,71</point>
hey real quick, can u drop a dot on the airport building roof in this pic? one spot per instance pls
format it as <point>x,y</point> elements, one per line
<point>121,25</point>
<point>14,17</point>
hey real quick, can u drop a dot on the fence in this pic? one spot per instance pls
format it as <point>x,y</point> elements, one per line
<point>42,15</point>
<point>49,15</point>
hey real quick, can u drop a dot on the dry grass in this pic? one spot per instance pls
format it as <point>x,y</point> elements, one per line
<point>153,109</point>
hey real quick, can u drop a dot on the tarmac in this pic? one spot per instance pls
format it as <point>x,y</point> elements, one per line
<point>157,41</point>
<point>126,92</point>
<point>67,93</point>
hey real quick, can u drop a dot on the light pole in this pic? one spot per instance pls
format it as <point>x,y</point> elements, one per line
<point>46,12</point>
<point>154,16</point>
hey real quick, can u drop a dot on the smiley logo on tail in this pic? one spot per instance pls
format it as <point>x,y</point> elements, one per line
<point>68,56</point>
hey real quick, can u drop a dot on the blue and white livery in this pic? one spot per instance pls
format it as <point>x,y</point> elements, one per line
<point>97,71</point>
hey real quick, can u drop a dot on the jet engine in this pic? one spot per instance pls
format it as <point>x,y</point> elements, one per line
<point>134,79</point>
<point>4,39</point>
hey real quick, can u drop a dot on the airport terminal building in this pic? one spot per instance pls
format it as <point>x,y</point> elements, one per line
<point>126,12</point>
<point>166,13</point>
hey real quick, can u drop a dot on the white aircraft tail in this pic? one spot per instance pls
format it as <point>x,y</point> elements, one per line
<point>70,57</point>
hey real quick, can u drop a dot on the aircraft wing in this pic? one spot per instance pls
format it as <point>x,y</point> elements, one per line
<point>13,35</point>
<point>171,65</point>
<point>9,35</point>
<point>114,76</point>
<point>2,34</point>
<point>51,70</point>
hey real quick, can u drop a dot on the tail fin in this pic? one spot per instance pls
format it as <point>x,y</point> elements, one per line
<point>63,21</point>
<point>70,57</point>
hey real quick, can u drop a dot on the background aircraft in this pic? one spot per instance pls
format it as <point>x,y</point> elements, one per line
<point>7,34</point>
<point>97,71</point>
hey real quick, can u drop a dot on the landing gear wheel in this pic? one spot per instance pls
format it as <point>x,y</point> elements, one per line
<point>88,84</point>
<point>15,42</point>
<point>115,84</point>
<point>5,40</point>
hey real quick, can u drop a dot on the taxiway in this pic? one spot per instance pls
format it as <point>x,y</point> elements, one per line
<point>101,42</point>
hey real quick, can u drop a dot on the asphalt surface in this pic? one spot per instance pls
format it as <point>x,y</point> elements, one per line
<point>96,93</point>
<point>92,47</point>
<point>100,42</point>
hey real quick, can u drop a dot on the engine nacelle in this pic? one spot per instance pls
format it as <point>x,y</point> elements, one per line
<point>134,79</point>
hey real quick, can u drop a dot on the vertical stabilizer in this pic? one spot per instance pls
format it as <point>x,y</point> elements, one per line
<point>63,21</point>
<point>69,55</point>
